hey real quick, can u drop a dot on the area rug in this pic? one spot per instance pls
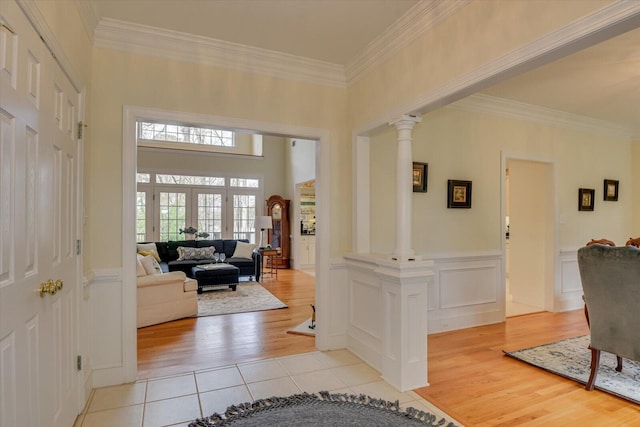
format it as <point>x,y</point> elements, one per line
<point>571,358</point>
<point>248,296</point>
<point>304,329</point>
<point>323,410</point>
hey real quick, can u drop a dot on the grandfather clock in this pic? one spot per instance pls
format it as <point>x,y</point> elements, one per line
<point>279,236</point>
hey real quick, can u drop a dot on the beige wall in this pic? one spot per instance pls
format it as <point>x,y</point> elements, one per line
<point>463,145</point>
<point>271,167</point>
<point>128,79</point>
<point>635,187</point>
<point>478,33</point>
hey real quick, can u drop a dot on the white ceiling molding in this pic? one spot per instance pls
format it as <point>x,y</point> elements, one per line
<point>145,40</point>
<point>480,103</point>
<point>609,21</point>
<point>420,19</point>
<point>88,16</point>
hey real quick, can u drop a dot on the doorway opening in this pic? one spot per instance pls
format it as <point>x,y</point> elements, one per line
<point>529,236</point>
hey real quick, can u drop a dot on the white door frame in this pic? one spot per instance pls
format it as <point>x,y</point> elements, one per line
<point>550,288</point>
<point>129,166</point>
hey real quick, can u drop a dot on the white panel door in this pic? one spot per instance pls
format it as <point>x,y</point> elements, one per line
<point>38,228</point>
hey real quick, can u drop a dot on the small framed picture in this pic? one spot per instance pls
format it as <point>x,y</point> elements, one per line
<point>459,194</point>
<point>420,174</point>
<point>611,190</point>
<point>586,199</point>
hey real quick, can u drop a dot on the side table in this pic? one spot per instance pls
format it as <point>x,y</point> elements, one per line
<point>272,255</point>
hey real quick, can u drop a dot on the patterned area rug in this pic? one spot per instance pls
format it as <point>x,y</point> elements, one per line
<point>249,296</point>
<point>323,410</point>
<point>571,358</point>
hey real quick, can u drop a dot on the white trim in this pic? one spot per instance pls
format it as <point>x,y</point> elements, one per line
<point>487,104</point>
<point>612,20</point>
<point>164,43</point>
<point>552,290</point>
<point>420,19</point>
<point>129,158</point>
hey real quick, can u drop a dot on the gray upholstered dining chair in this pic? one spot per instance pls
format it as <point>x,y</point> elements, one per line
<point>611,285</point>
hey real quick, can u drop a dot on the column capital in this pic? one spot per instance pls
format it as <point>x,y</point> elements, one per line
<point>405,120</point>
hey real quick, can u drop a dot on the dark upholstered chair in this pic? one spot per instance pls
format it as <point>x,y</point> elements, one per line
<point>611,285</point>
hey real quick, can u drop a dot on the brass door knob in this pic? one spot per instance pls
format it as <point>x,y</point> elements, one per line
<point>49,287</point>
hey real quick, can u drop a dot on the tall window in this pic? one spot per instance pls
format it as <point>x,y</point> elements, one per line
<point>141,216</point>
<point>224,208</point>
<point>173,215</point>
<point>210,214</point>
<point>244,215</point>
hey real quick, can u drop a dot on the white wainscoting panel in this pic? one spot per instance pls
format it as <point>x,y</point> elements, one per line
<point>468,291</point>
<point>364,334</point>
<point>105,318</point>
<point>569,294</point>
<point>338,299</point>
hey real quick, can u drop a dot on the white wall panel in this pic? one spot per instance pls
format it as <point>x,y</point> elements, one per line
<point>105,346</point>
<point>469,292</point>
<point>338,298</point>
<point>465,285</point>
<point>365,294</point>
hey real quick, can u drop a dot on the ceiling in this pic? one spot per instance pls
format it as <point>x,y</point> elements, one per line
<point>601,82</point>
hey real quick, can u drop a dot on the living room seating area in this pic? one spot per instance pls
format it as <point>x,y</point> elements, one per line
<point>239,253</point>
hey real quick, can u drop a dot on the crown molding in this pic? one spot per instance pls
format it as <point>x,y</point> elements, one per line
<point>145,40</point>
<point>88,16</point>
<point>609,21</point>
<point>480,103</point>
<point>418,20</point>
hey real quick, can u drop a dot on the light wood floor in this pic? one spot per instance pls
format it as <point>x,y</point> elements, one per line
<point>207,342</point>
<point>469,376</point>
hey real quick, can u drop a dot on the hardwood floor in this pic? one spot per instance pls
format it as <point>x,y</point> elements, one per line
<point>207,342</point>
<point>475,383</point>
<point>469,376</point>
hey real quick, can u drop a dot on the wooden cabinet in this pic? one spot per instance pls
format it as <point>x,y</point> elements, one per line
<point>307,251</point>
<point>280,235</point>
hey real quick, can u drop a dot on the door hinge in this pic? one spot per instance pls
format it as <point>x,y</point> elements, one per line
<point>79,363</point>
<point>78,247</point>
<point>81,126</point>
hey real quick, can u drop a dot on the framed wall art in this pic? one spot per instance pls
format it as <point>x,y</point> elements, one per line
<point>611,190</point>
<point>586,199</point>
<point>458,194</point>
<point>420,174</point>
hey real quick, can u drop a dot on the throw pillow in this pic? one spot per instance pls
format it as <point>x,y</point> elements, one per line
<point>146,247</point>
<point>152,253</point>
<point>243,250</point>
<point>185,253</point>
<point>140,271</point>
<point>150,265</point>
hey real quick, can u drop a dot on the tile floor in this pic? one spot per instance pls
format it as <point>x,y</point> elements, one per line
<point>177,400</point>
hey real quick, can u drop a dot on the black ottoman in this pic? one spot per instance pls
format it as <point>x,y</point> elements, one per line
<point>215,275</point>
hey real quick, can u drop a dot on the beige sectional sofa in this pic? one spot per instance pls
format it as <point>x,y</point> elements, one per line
<point>164,297</point>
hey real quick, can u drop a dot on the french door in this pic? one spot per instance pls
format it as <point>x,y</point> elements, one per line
<point>40,161</point>
<point>222,213</point>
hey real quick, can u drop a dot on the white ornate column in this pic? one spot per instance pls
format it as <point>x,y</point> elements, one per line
<point>404,190</point>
